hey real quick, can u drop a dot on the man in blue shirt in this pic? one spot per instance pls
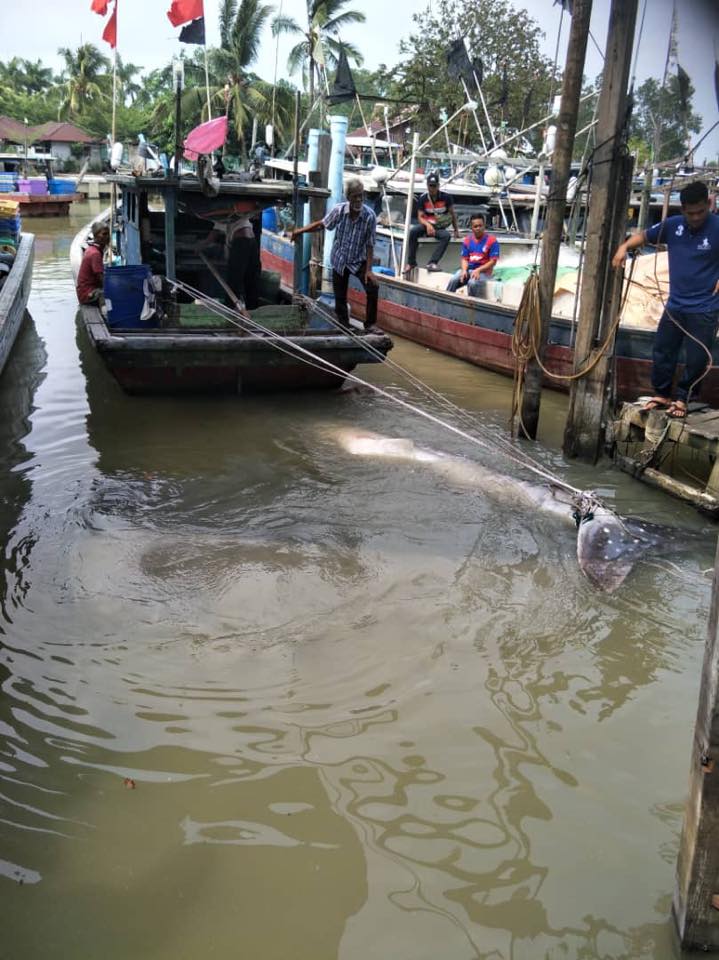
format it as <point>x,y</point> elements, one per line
<point>480,252</point>
<point>691,314</point>
<point>355,227</point>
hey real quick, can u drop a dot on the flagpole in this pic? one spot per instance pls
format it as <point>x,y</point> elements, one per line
<point>207,83</point>
<point>113,188</point>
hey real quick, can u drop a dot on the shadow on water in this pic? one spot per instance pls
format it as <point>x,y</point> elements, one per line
<point>20,380</point>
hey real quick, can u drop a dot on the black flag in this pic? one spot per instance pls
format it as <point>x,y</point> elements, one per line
<point>567,5</point>
<point>458,62</point>
<point>344,86</point>
<point>194,32</point>
<point>478,68</point>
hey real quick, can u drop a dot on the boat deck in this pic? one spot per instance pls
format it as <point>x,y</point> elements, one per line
<point>680,457</point>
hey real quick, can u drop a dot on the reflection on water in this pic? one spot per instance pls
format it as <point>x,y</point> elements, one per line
<point>264,698</point>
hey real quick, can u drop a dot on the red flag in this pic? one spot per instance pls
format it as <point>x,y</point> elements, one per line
<point>109,34</point>
<point>99,6</point>
<point>182,11</point>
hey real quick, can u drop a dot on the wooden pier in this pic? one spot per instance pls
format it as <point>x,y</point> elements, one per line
<point>680,457</point>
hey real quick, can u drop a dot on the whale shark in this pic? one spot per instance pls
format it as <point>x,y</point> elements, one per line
<point>608,545</point>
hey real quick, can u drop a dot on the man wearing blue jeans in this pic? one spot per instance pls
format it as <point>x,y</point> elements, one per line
<point>691,314</point>
<point>480,252</point>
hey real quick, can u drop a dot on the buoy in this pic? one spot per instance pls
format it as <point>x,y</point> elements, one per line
<point>116,155</point>
<point>492,176</point>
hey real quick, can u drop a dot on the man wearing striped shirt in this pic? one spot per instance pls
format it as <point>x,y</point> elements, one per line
<point>355,226</point>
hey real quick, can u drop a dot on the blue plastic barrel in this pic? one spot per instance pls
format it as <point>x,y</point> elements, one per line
<point>528,178</point>
<point>123,287</point>
<point>269,219</point>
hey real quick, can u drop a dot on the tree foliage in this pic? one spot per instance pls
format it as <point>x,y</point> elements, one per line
<point>658,113</point>
<point>508,42</point>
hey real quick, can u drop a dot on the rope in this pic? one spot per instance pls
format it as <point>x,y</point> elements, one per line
<point>291,348</point>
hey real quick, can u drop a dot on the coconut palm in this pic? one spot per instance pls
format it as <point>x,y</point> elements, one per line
<point>85,77</point>
<point>37,78</point>
<point>127,76</point>
<point>12,74</point>
<point>241,27</point>
<point>320,37</point>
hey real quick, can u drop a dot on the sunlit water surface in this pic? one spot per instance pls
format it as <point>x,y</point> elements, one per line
<point>367,713</point>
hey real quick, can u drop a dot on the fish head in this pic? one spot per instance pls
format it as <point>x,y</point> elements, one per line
<point>610,546</point>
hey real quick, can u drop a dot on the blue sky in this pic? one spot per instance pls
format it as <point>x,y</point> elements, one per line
<point>147,38</point>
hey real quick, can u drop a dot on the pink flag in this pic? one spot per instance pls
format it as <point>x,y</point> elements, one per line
<point>206,138</point>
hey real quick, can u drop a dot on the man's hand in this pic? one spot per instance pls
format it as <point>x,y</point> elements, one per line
<point>429,227</point>
<point>294,234</point>
<point>369,278</point>
<point>620,256</point>
<point>463,276</point>
<point>476,274</point>
<point>716,289</point>
<point>456,233</point>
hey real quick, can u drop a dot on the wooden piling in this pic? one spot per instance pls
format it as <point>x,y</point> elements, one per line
<point>606,227</point>
<point>696,895</point>
<point>556,203</point>
<point>319,178</point>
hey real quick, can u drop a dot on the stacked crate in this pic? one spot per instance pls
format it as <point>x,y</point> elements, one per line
<point>10,225</point>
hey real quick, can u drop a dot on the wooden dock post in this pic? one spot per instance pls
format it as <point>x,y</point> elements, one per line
<point>697,881</point>
<point>601,286</point>
<point>319,178</point>
<point>556,202</point>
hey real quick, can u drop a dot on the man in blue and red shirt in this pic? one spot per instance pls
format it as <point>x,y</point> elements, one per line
<point>480,252</point>
<point>691,314</point>
<point>435,212</point>
<point>90,276</point>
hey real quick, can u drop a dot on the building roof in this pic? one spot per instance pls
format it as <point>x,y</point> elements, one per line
<point>51,132</point>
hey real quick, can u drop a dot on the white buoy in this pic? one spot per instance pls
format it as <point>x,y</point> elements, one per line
<point>499,154</point>
<point>492,176</point>
<point>269,135</point>
<point>116,155</point>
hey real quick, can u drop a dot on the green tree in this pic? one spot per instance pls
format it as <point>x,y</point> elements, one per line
<point>85,78</point>
<point>325,19</point>
<point>128,75</point>
<point>507,41</point>
<point>241,28</point>
<point>658,112</point>
<point>37,78</point>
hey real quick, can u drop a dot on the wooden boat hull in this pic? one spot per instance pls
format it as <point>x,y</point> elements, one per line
<point>46,205</point>
<point>480,332</point>
<point>14,296</point>
<point>159,361</point>
<point>175,360</point>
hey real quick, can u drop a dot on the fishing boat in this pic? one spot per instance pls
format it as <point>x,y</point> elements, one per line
<point>16,260</point>
<point>165,328</point>
<point>31,181</point>
<point>480,330</point>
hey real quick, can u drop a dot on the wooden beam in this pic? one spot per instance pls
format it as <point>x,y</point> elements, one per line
<point>697,881</point>
<point>317,209</point>
<point>556,203</point>
<point>611,180</point>
<point>170,215</point>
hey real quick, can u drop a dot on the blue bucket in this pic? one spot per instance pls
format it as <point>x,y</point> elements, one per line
<point>123,288</point>
<point>269,219</point>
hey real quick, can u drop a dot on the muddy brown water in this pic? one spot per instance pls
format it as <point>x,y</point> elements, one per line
<point>366,713</point>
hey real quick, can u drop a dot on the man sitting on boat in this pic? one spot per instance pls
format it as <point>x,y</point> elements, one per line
<point>90,276</point>
<point>355,226</point>
<point>435,212</point>
<point>480,252</point>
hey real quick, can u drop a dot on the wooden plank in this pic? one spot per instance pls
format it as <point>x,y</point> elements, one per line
<point>697,879</point>
<point>701,500</point>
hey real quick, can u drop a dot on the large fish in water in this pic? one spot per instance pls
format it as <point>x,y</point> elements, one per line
<point>608,546</point>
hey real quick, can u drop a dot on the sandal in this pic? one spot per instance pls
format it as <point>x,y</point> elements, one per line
<point>656,403</point>
<point>677,410</point>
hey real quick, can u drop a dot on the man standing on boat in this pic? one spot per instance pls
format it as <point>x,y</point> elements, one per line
<point>480,252</point>
<point>90,276</point>
<point>691,314</point>
<point>435,212</point>
<point>355,227</point>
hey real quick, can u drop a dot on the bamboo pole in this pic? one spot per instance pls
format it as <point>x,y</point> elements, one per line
<point>410,202</point>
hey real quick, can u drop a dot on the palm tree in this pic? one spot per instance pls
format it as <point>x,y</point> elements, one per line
<point>240,30</point>
<point>325,19</point>
<point>37,78</point>
<point>12,74</point>
<point>84,71</point>
<point>127,76</point>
